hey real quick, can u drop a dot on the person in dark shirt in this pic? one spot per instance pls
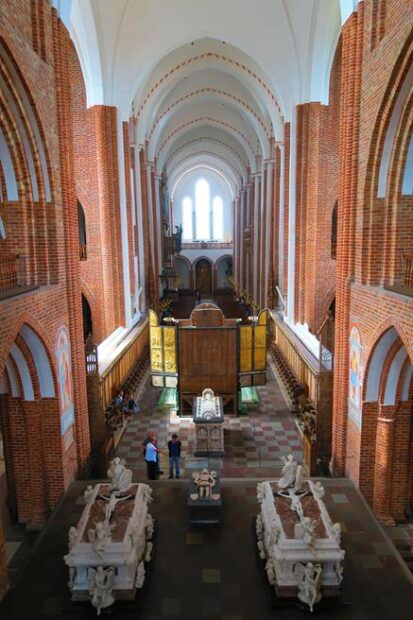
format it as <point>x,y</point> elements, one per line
<point>174,447</point>
<point>131,405</point>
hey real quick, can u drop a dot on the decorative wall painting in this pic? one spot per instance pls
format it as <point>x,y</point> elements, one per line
<point>355,383</point>
<point>64,369</point>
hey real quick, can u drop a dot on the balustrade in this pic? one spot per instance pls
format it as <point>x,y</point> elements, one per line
<point>408,270</point>
<point>8,273</point>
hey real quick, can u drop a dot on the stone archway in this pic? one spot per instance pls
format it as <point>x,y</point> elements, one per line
<point>32,429</point>
<point>386,450</point>
<point>203,277</point>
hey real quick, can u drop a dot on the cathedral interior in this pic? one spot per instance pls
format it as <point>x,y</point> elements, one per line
<point>206,209</point>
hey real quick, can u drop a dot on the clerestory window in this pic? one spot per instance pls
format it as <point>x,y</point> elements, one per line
<point>206,221</point>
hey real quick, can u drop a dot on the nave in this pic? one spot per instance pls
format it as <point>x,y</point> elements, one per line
<point>212,572</point>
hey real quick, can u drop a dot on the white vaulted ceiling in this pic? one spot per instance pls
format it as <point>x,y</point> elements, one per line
<point>209,80</point>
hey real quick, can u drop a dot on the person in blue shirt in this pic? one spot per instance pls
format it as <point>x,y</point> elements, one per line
<point>174,447</point>
<point>151,458</point>
<point>152,438</point>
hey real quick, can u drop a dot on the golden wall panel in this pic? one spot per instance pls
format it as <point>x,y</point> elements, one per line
<point>156,349</point>
<point>245,362</point>
<point>169,345</point>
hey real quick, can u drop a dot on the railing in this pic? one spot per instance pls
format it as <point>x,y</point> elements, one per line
<point>8,273</point>
<point>83,252</point>
<point>408,270</point>
<point>297,357</point>
<point>207,245</point>
<point>114,376</point>
<point>403,281</point>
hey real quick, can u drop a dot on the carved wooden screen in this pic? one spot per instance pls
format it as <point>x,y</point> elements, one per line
<point>208,358</point>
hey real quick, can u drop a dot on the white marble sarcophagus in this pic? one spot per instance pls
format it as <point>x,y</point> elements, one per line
<point>111,544</point>
<point>208,416</point>
<point>297,540</point>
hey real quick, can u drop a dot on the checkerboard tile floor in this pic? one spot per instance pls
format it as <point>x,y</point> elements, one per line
<point>211,572</point>
<point>254,444</point>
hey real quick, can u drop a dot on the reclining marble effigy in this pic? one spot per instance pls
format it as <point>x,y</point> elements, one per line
<point>296,538</point>
<point>111,543</point>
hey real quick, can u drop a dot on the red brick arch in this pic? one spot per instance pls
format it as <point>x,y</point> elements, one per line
<point>37,327</point>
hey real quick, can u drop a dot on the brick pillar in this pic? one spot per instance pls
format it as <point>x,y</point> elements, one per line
<point>247,247</point>
<point>159,219</point>
<point>263,238</point>
<point>384,464</point>
<point>285,207</point>
<point>4,577</point>
<point>104,118</point>
<point>271,228</point>
<point>156,236</point>
<point>235,236</point>
<point>62,45</point>
<point>129,216</point>
<point>255,231</point>
<point>145,224</point>
<point>240,274</point>
<point>402,472</point>
<point>35,465</point>
<point>352,39</point>
<point>19,456</point>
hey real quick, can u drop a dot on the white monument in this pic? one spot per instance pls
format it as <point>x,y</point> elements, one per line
<point>205,481</point>
<point>208,416</point>
<point>111,543</point>
<point>296,537</point>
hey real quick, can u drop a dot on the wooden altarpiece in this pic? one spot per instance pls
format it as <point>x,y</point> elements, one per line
<point>208,350</point>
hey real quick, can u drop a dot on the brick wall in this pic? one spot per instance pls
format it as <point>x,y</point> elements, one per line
<point>95,171</point>
<point>40,463</point>
<point>317,168</point>
<point>371,232</point>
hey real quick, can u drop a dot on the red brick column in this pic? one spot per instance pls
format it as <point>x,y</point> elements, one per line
<point>269,236</point>
<point>402,474</point>
<point>249,278</point>
<point>156,233</point>
<point>255,231</point>
<point>109,210</point>
<point>62,46</point>
<point>352,38</point>
<point>285,207</point>
<point>18,455</point>
<point>128,189</point>
<point>4,577</point>
<point>384,464</point>
<point>145,225</point>
<point>35,465</point>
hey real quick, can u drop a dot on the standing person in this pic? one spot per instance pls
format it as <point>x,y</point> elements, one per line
<point>151,458</point>
<point>174,447</point>
<point>152,438</point>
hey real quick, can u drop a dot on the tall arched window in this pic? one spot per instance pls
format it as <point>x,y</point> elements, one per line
<point>81,221</point>
<point>334,231</point>
<point>217,218</point>
<point>202,211</point>
<point>187,230</point>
